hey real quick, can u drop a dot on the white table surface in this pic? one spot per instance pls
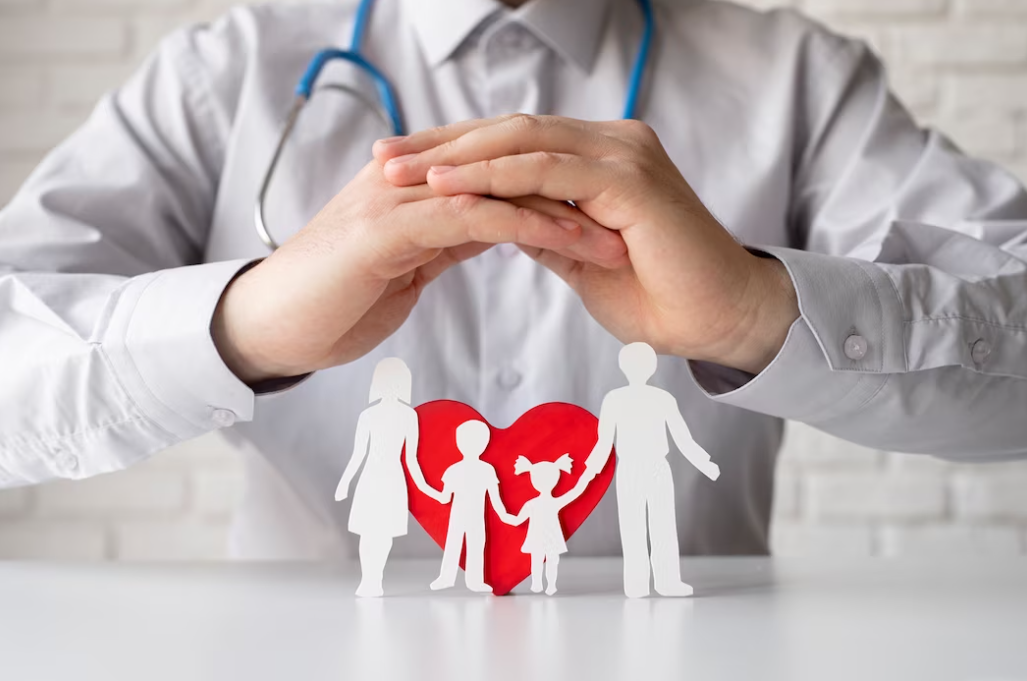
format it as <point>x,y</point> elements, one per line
<point>751,619</point>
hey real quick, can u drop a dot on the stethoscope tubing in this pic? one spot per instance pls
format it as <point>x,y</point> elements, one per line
<point>387,107</point>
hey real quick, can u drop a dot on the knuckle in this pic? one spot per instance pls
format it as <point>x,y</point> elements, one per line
<point>447,149</point>
<point>462,204</point>
<point>639,131</point>
<point>525,123</point>
<point>435,132</point>
<point>524,215</point>
<point>547,159</point>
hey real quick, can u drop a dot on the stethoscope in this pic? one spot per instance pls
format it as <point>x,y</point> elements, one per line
<point>386,106</point>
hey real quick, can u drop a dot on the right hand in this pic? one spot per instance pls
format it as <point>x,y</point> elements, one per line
<point>350,278</point>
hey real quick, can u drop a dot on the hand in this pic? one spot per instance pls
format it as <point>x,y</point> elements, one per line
<point>436,495</point>
<point>689,289</point>
<point>583,482</point>
<point>350,278</point>
<point>711,471</point>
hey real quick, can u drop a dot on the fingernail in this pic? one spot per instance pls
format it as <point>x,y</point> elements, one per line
<point>390,140</point>
<point>439,170</point>
<point>567,224</point>
<point>399,160</point>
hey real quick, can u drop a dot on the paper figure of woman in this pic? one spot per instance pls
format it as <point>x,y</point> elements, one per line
<point>380,508</point>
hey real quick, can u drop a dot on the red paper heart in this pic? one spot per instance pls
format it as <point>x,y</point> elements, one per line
<point>544,433</point>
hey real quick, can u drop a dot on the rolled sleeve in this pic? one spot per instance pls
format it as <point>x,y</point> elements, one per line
<point>160,345</point>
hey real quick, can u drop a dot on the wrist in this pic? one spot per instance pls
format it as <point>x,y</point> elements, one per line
<point>233,329</point>
<point>771,308</point>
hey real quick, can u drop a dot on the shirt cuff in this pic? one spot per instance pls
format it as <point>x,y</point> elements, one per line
<point>160,345</point>
<point>836,356</point>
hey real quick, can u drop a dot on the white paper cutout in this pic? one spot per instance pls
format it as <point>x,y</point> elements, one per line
<point>636,419</point>
<point>380,508</point>
<point>466,483</point>
<point>544,541</point>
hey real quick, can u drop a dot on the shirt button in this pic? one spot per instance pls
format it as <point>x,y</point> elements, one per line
<point>509,378</point>
<point>222,418</point>
<point>67,462</point>
<point>855,347</point>
<point>980,351</point>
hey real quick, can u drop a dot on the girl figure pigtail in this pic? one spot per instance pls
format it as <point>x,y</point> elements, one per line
<point>544,541</point>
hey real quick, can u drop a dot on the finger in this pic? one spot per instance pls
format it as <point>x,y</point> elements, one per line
<point>393,147</point>
<point>565,267</point>
<point>446,259</point>
<point>451,221</point>
<point>426,273</point>
<point>598,245</point>
<point>514,135</point>
<point>561,177</point>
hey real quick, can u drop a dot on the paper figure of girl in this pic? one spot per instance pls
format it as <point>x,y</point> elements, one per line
<point>379,511</point>
<point>545,541</point>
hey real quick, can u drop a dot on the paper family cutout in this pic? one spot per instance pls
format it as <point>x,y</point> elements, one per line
<point>554,463</point>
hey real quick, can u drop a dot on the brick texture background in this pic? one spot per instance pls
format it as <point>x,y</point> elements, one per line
<point>958,64</point>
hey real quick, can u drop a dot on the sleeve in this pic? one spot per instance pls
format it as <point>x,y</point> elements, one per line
<point>909,264</point>
<point>105,345</point>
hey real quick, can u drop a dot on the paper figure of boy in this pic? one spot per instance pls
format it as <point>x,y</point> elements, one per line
<point>466,483</point>
<point>636,418</point>
<point>544,541</point>
<point>380,506</point>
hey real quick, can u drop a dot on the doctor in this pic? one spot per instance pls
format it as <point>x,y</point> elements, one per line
<point>777,225</point>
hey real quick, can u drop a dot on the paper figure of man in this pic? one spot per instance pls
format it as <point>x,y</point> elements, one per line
<point>380,506</point>
<point>636,418</point>
<point>466,483</point>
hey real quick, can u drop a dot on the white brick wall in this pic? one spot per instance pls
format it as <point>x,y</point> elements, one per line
<point>958,64</point>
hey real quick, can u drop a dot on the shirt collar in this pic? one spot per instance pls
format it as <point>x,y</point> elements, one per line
<point>572,28</point>
<point>442,25</point>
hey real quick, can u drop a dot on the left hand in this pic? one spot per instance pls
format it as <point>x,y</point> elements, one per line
<point>435,494</point>
<point>690,289</point>
<point>711,471</point>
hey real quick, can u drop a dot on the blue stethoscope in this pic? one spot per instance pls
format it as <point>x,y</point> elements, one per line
<point>386,106</point>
